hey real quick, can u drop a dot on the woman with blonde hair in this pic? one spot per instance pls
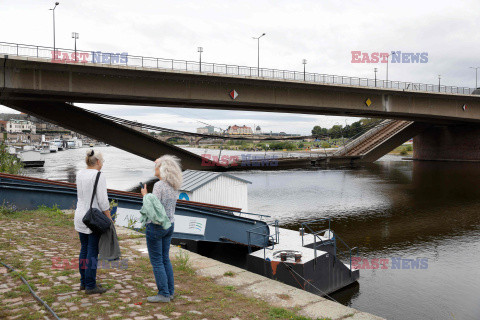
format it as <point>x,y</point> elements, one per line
<point>86,179</point>
<point>168,170</point>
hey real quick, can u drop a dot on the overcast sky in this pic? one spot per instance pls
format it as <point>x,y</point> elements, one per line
<point>323,32</point>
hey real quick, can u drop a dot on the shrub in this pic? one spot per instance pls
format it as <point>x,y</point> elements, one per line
<point>9,163</point>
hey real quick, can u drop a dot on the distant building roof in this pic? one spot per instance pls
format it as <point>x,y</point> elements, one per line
<point>194,179</point>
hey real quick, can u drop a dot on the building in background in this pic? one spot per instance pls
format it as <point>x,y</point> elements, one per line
<point>218,188</point>
<point>237,130</point>
<point>258,130</point>
<point>206,130</point>
<point>20,126</point>
<point>3,126</point>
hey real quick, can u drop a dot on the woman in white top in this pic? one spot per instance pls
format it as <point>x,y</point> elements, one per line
<point>89,240</point>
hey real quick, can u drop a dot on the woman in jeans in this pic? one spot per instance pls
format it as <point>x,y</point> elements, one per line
<point>168,170</point>
<point>89,241</point>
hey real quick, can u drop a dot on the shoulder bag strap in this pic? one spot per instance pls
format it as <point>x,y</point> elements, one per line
<point>95,188</point>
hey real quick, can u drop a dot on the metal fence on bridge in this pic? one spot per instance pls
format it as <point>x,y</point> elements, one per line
<point>42,52</point>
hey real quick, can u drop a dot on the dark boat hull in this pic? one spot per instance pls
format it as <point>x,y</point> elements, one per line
<point>219,222</point>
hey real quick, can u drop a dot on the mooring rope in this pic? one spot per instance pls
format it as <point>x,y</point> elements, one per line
<point>32,292</point>
<point>322,292</point>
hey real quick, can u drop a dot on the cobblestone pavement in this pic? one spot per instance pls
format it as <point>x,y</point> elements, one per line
<point>43,247</point>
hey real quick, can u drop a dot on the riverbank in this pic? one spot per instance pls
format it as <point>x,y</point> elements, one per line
<point>42,246</point>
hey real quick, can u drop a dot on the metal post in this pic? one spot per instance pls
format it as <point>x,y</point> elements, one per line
<point>258,53</point>
<point>53,10</point>
<point>375,70</point>
<point>75,37</point>
<point>200,50</point>
<point>387,68</point>
<point>439,77</point>
<point>476,76</point>
<point>304,61</point>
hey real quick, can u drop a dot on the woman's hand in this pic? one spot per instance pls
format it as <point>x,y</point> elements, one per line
<point>144,190</point>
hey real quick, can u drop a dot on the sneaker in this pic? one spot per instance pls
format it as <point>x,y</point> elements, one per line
<point>172,297</point>
<point>83,287</point>
<point>158,298</point>
<point>95,290</point>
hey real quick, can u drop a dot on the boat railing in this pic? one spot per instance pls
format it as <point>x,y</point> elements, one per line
<point>266,236</point>
<point>347,249</point>
<point>306,226</point>
<point>333,238</point>
<point>261,216</point>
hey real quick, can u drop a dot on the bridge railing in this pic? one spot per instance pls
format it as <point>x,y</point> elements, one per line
<point>87,57</point>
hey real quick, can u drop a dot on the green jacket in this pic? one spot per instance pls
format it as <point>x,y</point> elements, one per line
<point>153,211</point>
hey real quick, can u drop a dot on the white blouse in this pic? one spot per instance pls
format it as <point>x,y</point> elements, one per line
<point>85,183</point>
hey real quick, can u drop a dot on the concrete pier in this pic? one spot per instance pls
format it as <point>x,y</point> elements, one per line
<point>448,143</point>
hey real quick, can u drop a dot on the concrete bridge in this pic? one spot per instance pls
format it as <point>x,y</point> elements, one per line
<point>37,85</point>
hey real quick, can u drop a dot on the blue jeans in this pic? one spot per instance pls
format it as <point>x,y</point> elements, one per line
<point>158,244</point>
<point>87,261</point>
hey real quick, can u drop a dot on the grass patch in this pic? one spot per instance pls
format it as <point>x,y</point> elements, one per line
<point>182,262</point>
<point>229,274</point>
<point>281,313</point>
<point>24,287</point>
<point>12,294</point>
<point>61,288</point>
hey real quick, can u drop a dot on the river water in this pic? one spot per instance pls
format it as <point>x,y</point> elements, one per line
<point>391,209</point>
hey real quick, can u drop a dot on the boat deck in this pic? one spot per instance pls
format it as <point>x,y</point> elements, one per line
<point>292,240</point>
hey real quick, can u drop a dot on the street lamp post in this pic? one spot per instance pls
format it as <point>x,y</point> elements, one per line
<point>200,50</point>
<point>75,36</point>
<point>393,53</point>
<point>439,77</point>
<point>387,68</point>
<point>304,61</point>
<point>53,10</point>
<point>375,70</point>
<point>258,53</point>
<point>476,76</point>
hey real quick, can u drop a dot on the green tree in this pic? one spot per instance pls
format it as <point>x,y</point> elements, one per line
<point>9,163</point>
<point>319,131</point>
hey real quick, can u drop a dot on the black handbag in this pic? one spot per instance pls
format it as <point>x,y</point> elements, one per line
<point>95,219</point>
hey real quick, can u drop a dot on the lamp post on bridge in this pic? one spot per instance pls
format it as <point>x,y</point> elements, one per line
<point>53,10</point>
<point>258,52</point>
<point>200,50</point>
<point>375,70</point>
<point>476,76</point>
<point>388,56</point>
<point>75,36</point>
<point>439,77</point>
<point>304,61</point>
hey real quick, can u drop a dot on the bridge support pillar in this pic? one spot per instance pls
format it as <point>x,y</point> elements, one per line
<point>450,143</point>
